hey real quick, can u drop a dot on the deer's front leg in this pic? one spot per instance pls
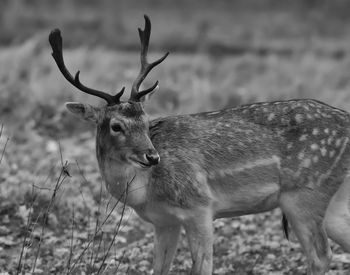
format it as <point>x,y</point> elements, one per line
<point>199,232</point>
<point>165,242</point>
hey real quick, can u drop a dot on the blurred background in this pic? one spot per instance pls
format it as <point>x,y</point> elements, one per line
<point>222,53</point>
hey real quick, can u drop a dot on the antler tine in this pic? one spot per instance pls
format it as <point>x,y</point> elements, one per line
<point>116,98</point>
<point>55,40</point>
<point>146,67</point>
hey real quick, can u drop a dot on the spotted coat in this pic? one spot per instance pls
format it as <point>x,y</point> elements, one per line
<point>307,138</point>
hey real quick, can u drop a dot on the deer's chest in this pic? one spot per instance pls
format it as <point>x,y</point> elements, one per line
<point>122,180</point>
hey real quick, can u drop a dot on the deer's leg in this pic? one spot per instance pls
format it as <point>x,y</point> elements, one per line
<point>337,219</point>
<point>199,231</point>
<point>305,211</point>
<point>165,242</point>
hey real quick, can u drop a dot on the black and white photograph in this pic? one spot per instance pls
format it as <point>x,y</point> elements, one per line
<point>188,137</point>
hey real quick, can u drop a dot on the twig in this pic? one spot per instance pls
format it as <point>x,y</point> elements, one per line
<point>42,188</point>
<point>86,181</point>
<point>95,233</point>
<point>71,243</point>
<point>117,230</point>
<point>91,239</point>
<point>3,150</point>
<point>60,150</point>
<point>81,172</point>
<point>61,178</point>
<point>120,262</point>
<point>29,219</point>
<point>100,228</point>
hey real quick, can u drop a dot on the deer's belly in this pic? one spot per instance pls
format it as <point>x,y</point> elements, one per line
<point>163,214</point>
<point>247,201</point>
<point>252,187</point>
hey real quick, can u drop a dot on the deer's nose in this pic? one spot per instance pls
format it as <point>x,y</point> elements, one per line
<point>153,158</point>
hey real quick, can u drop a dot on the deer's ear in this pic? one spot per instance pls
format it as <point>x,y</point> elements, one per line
<point>83,111</point>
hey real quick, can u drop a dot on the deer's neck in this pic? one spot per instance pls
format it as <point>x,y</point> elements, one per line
<point>123,179</point>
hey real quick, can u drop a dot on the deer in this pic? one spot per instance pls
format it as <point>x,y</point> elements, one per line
<point>184,171</point>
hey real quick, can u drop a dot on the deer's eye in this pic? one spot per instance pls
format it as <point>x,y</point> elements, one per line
<point>116,128</point>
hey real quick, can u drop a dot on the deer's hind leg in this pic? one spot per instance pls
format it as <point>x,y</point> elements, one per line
<point>305,210</point>
<point>337,219</point>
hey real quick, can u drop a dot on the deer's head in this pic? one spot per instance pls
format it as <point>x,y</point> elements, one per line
<point>122,127</point>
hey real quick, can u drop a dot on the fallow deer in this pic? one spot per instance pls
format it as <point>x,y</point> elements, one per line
<point>187,170</point>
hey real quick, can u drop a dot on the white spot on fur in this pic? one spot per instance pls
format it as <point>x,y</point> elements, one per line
<point>289,145</point>
<point>309,116</point>
<point>323,141</point>
<point>331,153</point>
<point>326,131</point>
<point>323,152</point>
<point>334,132</point>
<point>315,159</point>
<point>299,118</point>
<point>271,117</point>
<point>335,162</point>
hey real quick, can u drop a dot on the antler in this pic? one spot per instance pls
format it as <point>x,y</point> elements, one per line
<point>55,40</point>
<point>146,67</point>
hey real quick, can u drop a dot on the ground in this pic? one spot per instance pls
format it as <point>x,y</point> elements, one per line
<point>55,215</point>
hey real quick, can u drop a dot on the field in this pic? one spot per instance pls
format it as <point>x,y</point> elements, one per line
<point>55,215</point>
